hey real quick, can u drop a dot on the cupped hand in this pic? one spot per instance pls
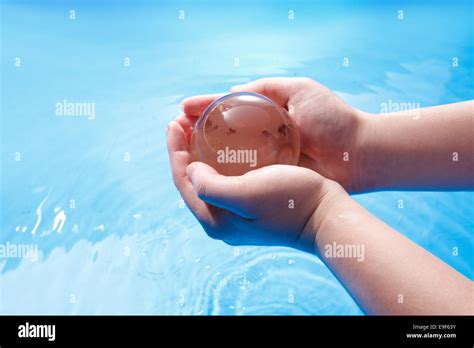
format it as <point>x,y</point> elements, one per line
<point>267,206</point>
<point>331,130</point>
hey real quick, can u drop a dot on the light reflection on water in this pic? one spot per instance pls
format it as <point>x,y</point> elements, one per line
<point>127,244</point>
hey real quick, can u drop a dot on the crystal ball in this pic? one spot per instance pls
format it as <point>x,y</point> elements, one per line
<point>243,131</point>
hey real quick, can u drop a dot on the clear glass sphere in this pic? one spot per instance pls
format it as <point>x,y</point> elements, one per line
<point>243,131</point>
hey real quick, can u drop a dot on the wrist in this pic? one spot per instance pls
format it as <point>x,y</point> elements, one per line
<point>363,168</point>
<point>326,206</point>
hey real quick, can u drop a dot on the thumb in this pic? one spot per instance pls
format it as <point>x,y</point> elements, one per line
<point>226,192</point>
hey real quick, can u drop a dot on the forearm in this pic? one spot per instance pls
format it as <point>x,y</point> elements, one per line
<point>429,148</point>
<point>384,271</point>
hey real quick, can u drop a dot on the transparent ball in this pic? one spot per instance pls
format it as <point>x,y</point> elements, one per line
<point>243,131</point>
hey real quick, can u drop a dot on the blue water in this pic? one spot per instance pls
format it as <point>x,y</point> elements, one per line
<point>128,245</point>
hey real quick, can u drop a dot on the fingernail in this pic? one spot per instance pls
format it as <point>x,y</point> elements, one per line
<point>181,107</point>
<point>168,127</point>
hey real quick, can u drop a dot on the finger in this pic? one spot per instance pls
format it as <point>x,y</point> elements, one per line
<point>279,89</point>
<point>179,160</point>
<point>226,192</point>
<point>194,106</point>
<point>186,122</point>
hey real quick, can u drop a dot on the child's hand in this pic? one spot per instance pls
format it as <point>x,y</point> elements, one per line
<point>255,208</point>
<point>267,206</point>
<point>329,127</point>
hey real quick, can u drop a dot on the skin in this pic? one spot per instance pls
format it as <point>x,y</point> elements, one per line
<point>418,149</point>
<point>395,276</point>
